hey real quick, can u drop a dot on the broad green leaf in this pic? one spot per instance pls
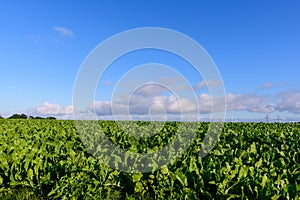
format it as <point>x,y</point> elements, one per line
<point>137,177</point>
<point>264,181</point>
<point>181,178</point>
<point>30,174</point>
<point>164,169</point>
<point>138,187</point>
<point>258,163</point>
<point>253,148</point>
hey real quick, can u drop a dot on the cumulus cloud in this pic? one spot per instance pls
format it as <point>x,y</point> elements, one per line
<point>235,102</point>
<point>64,31</point>
<point>101,107</point>
<point>49,109</point>
<point>205,102</point>
<point>248,102</point>
<point>144,105</point>
<point>181,105</point>
<point>290,102</point>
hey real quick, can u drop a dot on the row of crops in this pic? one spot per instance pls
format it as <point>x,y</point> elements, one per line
<point>46,159</point>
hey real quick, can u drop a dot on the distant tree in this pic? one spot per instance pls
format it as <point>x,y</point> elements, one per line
<point>18,116</point>
<point>39,118</point>
<point>1,117</point>
<point>23,116</point>
<point>14,116</point>
<point>53,118</point>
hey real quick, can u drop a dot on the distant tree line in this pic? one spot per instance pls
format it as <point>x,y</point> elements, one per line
<point>23,116</point>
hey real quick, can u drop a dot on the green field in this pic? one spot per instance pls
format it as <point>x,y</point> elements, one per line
<point>46,159</point>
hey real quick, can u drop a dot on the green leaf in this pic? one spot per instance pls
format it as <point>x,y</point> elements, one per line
<point>137,177</point>
<point>212,182</point>
<point>181,178</point>
<point>30,174</point>
<point>164,169</point>
<point>264,180</point>
<point>258,163</point>
<point>243,171</point>
<point>275,197</point>
<point>138,187</point>
<point>253,148</point>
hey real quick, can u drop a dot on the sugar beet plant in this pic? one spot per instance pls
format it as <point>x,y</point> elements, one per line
<point>46,159</point>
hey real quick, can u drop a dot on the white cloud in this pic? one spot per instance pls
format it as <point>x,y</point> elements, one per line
<point>205,103</point>
<point>235,102</point>
<point>64,31</point>
<point>101,107</point>
<point>290,102</point>
<point>49,109</point>
<point>160,105</point>
<point>181,105</point>
<point>144,104</point>
<point>248,102</point>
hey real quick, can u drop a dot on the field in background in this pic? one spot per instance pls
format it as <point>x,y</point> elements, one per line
<point>41,159</point>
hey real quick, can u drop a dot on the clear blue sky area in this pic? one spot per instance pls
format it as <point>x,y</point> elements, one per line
<point>255,44</point>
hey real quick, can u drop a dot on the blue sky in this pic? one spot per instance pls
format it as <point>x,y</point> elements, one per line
<point>255,45</point>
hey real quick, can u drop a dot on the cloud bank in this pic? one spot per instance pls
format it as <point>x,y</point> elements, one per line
<point>143,103</point>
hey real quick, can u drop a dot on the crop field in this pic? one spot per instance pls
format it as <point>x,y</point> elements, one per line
<point>46,159</point>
